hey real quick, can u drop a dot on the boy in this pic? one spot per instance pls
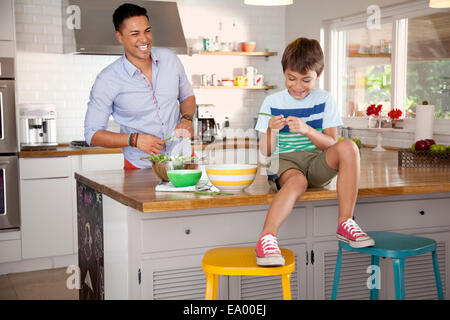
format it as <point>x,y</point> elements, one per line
<point>305,121</point>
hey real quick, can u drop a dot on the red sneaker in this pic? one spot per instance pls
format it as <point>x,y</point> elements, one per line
<point>348,231</point>
<point>267,251</point>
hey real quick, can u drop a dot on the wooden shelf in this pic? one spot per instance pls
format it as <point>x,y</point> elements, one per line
<point>238,53</point>
<point>238,87</point>
<point>369,55</point>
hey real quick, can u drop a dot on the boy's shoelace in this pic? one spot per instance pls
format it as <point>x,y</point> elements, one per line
<point>270,245</point>
<point>353,228</point>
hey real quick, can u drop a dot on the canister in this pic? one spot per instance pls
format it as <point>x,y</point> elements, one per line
<point>204,80</point>
<point>214,80</point>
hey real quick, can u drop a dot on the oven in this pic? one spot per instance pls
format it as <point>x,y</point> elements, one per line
<point>9,171</point>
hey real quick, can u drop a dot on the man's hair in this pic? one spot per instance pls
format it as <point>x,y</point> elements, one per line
<point>125,11</point>
<point>303,55</point>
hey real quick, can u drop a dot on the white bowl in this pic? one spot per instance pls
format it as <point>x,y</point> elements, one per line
<point>231,177</point>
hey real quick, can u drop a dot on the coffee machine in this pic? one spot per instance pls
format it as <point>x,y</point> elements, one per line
<point>205,127</point>
<point>37,125</point>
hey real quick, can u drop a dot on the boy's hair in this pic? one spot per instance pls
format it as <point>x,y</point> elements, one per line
<point>303,55</point>
<point>125,11</point>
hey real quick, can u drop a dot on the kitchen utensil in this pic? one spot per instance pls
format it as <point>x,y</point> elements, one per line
<point>161,167</point>
<point>231,177</point>
<point>259,80</point>
<point>184,178</point>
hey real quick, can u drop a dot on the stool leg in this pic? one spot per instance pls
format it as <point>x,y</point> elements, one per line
<point>337,272</point>
<point>286,284</point>
<point>375,260</point>
<point>212,284</point>
<point>399,265</point>
<point>437,275</point>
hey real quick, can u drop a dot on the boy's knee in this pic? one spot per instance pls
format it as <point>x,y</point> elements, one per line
<point>298,181</point>
<point>347,148</point>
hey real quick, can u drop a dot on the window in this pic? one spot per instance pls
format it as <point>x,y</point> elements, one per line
<point>428,66</point>
<point>399,64</point>
<point>368,69</point>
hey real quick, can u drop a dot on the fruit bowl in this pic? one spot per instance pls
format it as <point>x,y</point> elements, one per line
<point>184,178</point>
<point>231,177</point>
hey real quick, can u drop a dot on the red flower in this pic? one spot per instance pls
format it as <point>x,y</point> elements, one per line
<point>395,113</point>
<point>374,110</point>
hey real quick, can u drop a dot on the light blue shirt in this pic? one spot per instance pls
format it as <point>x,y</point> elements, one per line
<point>318,110</point>
<point>123,91</point>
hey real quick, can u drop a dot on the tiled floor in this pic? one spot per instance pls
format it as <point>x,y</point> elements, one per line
<point>36,285</point>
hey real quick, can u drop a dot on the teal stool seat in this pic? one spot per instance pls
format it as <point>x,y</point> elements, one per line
<point>398,247</point>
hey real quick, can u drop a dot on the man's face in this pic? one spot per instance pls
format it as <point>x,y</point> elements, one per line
<point>300,85</point>
<point>136,37</point>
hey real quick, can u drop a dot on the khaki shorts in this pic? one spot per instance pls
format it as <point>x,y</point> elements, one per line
<point>310,162</point>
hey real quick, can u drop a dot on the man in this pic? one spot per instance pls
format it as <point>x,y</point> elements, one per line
<point>146,91</point>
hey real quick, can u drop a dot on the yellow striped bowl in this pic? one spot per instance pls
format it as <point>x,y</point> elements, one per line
<point>231,177</point>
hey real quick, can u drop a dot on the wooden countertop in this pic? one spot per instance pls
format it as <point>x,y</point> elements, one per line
<point>64,150</point>
<point>380,176</point>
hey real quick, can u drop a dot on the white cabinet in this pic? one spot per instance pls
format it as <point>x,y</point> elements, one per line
<point>46,207</point>
<point>48,201</point>
<point>6,20</point>
<point>10,246</point>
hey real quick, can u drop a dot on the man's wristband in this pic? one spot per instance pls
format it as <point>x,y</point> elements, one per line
<point>132,139</point>
<point>187,117</point>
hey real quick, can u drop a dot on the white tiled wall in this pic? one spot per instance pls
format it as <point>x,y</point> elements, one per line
<point>45,74</point>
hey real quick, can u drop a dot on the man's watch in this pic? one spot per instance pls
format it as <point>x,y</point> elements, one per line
<point>187,117</point>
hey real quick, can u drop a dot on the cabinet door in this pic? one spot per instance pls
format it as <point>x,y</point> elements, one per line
<point>46,215</point>
<point>6,20</point>
<point>269,287</point>
<point>176,278</point>
<point>419,276</point>
<point>353,277</point>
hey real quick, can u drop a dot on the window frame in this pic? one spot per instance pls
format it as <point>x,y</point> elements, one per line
<point>335,52</point>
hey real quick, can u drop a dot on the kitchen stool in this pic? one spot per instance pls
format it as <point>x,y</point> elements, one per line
<point>398,247</point>
<point>241,261</point>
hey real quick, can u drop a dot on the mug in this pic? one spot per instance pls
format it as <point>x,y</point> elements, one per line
<point>250,71</point>
<point>259,80</point>
<point>240,81</point>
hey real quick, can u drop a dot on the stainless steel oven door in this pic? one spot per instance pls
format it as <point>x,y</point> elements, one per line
<point>9,192</point>
<point>8,135</point>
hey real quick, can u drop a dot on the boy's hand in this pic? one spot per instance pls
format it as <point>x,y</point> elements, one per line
<point>277,122</point>
<point>297,125</point>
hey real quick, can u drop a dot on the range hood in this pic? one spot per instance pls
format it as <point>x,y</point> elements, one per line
<point>88,26</point>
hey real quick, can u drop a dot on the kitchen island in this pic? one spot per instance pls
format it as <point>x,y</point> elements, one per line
<point>136,243</point>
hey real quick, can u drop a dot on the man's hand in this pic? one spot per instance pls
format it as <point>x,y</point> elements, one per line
<point>297,125</point>
<point>277,122</point>
<point>184,129</point>
<point>150,144</point>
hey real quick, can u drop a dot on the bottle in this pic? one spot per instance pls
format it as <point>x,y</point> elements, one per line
<point>227,123</point>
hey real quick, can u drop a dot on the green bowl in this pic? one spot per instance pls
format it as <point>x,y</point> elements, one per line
<point>184,178</point>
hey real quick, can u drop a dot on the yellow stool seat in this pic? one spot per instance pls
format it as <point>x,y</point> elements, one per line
<point>241,261</point>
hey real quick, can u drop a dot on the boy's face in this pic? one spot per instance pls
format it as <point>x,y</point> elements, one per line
<point>300,85</point>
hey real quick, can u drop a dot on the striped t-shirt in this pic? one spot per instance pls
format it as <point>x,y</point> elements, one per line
<point>318,110</point>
